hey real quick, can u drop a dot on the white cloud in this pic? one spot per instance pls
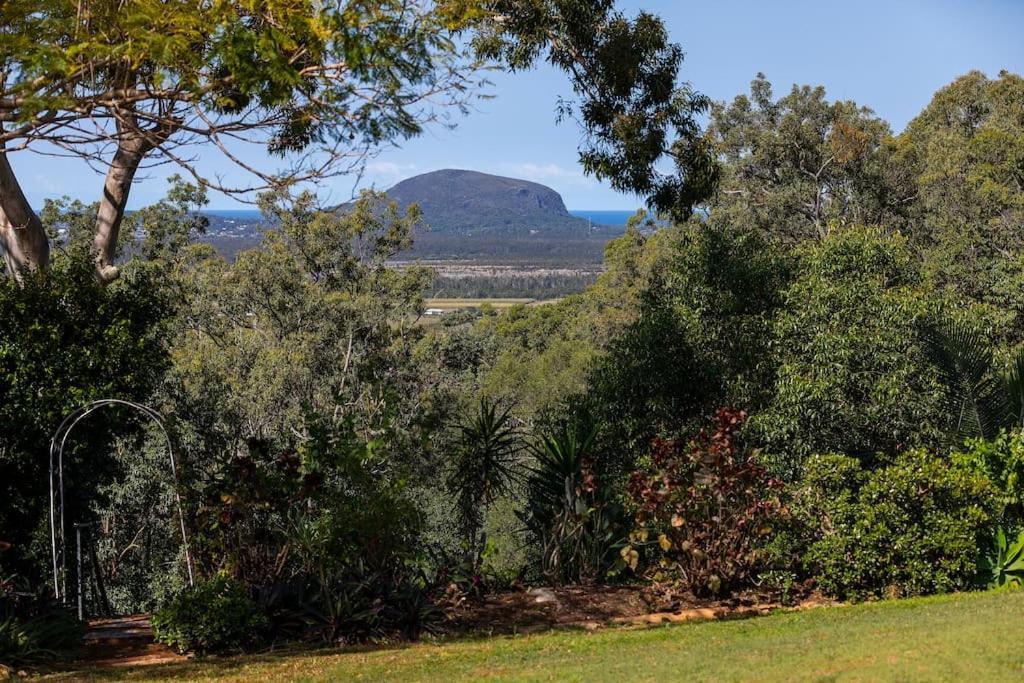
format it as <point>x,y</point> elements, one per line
<point>389,168</point>
<point>547,173</point>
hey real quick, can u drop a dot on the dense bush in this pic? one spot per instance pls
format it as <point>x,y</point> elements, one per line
<point>704,510</point>
<point>216,615</point>
<point>700,340</point>
<point>64,341</point>
<point>851,376</point>
<point>911,526</point>
<point>32,627</point>
<point>1002,461</point>
<point>352,602</point>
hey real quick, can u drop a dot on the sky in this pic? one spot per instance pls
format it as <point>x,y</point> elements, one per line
<point>890,55</point>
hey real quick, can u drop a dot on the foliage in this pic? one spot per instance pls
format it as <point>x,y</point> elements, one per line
<point>703,511</point>
<point>964,154</point>
<point>313,322</point>
<point>976,402</point>
<point>485,466</point>
<point>325,536</point>
<point>32,628</point>
<point>215,615</point>
<point>797,167</point>
<point>317,86</point>
<point>1001,460</point>
<point>911,526</point>
<point>568,512</point>
<point>636,117</point>
<point>1004,566</point>
<point>354,603</point>
<point>852,377</point>
<point>981,400</point>
<point>64,341</point>
<point>700,339</point>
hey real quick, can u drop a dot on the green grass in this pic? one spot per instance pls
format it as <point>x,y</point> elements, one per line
<point>972,637</point>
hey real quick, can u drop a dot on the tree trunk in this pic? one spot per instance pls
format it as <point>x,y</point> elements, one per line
<point>116,187</point>
<point>22,237</point>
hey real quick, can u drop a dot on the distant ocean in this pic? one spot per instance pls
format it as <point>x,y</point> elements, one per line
<point>613,218</point>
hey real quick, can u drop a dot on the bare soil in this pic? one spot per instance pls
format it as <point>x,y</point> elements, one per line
<point>592,607</point>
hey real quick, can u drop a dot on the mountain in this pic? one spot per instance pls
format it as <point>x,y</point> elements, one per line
<point>456,202</point>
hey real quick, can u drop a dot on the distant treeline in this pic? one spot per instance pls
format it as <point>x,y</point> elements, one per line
<point>492,248</point>
<point>512,285</point>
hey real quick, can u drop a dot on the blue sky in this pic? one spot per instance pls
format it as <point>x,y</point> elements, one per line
<point>890,55</point>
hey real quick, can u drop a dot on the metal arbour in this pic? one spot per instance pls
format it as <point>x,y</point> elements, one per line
<point>60,437</point>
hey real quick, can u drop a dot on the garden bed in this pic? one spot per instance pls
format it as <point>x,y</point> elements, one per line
<point>591,607</point>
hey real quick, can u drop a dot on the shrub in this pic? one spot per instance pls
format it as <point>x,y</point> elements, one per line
<point>704,510</point>
<point>567,512</point>
<point>911,526</point>
<point>33,628</point>
<point>851,377</point>
<point>1002,461</point>
<point>213,616</point>
<point>355,603</point>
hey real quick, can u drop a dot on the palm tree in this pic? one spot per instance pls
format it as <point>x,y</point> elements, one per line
<point>980,398</point>
<point>486,466</point>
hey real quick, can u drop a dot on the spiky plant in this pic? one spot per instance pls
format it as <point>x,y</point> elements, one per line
<point>980,399</point>
<point>565,511</point>
<point>486,466</point>
<point>1005,565</point>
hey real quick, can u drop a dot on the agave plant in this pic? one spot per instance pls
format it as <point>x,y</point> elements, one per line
<point>980,398</point>
<point>1005,566</point>
<point>565,510</point>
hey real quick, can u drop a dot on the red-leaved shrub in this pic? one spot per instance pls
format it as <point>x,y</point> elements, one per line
<point>703,510</point>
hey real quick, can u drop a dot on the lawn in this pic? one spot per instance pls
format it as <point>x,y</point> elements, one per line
<point>959,637</point>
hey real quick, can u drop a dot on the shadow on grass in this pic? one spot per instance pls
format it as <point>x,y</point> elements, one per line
<point>215,667</point>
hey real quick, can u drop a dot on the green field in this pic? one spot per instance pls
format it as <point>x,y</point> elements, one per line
<point>453,304</point>
<point>957,637</point>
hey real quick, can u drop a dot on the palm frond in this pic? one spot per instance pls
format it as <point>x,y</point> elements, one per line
<point>975,398</point>
<point>1013,387</point>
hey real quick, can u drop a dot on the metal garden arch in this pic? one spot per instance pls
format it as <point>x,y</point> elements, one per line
<point>60,437</point>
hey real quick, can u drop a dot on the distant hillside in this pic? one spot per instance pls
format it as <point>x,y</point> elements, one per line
<point>468,216</point>
<point>456,202</point>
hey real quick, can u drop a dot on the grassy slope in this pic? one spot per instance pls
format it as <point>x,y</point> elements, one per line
<point>962,637</point>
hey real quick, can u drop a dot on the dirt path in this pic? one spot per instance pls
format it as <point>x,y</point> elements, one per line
<point>124,641</point>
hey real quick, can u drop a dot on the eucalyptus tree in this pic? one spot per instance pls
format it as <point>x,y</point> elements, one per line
<point>124,84</point>
<point>793,166</point>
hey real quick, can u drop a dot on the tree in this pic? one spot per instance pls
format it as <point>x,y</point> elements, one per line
<point>485,467</point>
<point>319,86</point>
<point>792,167</point>
<point>125,84</point>
<point>965,156</point>
<point>65,341</point>
<point>700,339</point>
<point>635,115</point>
<point>851,375</point>
<point>311,323</point>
